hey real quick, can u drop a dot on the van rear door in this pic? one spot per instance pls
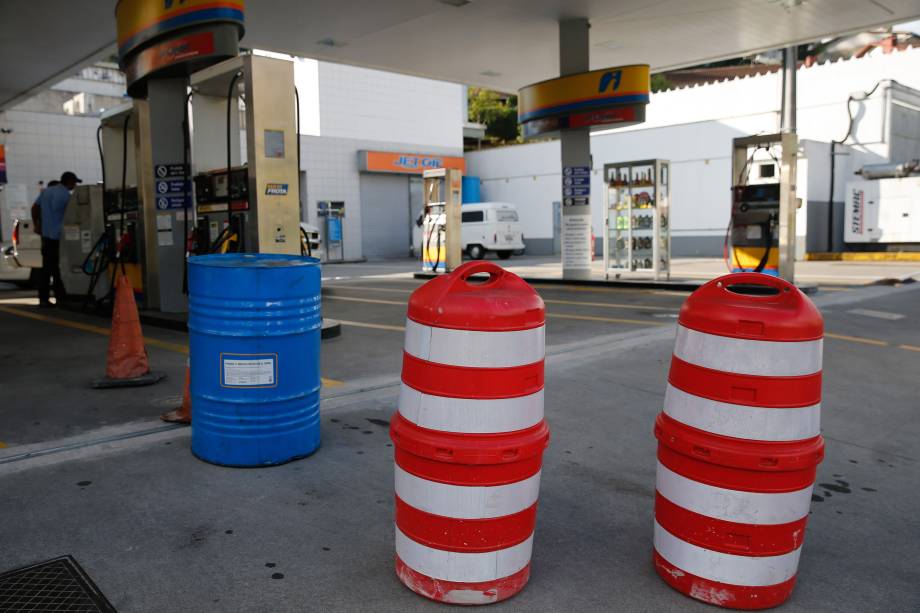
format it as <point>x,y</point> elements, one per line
<point>507,228</point>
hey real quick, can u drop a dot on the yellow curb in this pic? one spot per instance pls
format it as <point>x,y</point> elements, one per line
<point>867,256</point>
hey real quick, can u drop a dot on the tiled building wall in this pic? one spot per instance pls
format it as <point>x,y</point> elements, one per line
<point>43,145</point>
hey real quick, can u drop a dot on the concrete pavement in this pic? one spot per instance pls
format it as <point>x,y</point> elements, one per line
<point>159,530</point>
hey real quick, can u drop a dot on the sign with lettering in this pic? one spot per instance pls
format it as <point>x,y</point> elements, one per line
<point>406,163</point>
<point>589,99</point>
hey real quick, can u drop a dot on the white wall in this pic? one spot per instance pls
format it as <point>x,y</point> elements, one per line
<point>331,166</point>
<point>693,128</point>
<point>361,109</point>
<point>380,106</point>
<point>43,145</point>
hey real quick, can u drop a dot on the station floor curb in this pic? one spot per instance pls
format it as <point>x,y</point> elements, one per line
<point>681,286</point>
<point>677,286</point>
<point>865,256</point>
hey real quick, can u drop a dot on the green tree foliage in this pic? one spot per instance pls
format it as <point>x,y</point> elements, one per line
<point>497,111</point>
<point>660,82</point>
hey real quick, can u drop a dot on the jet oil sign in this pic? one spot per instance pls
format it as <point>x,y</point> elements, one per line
<point>406,163</point>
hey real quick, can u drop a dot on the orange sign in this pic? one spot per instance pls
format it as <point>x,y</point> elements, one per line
<point>406,163</point>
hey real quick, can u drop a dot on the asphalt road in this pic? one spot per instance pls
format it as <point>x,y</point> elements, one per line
<point>159,530</point>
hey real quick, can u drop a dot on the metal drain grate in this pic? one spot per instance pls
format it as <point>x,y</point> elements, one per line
<point>56,585</point>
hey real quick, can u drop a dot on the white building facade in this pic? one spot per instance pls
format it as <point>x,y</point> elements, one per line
<point>694,127</point>
<point>346,112</point>
<point>350,112</point>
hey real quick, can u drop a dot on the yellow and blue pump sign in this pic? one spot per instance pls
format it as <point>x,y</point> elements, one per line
<point>585,92</point>
<point>139,21</point>
<point>601,97</point>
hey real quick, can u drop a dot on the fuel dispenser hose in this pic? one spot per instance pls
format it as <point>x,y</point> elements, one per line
<point>227,233</point>
<point>186,186</point>
<point>765,228</point>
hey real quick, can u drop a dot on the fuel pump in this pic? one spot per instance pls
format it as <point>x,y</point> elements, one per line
<point>102,226</point>
<point>159,46</point>
<point>245,202</point>
<point>121,244</point>
<point>761,231</point>
<point>441,240</point>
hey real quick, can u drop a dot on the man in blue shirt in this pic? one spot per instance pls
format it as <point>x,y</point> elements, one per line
<point>53,202</point>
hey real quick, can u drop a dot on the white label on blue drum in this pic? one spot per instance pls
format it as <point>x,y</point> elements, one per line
<point>248,370</point>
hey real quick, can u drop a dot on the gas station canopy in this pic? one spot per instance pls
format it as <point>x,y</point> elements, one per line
<point>500,44</point>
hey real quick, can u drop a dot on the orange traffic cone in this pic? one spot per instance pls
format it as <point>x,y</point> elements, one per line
<point>126,364</point>
<point>182,415</point>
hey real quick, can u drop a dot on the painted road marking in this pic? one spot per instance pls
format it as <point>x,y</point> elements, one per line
<point>153,342</point>
<point>76,325</point>
<point>368,300</point>
<point>607,305</point>
<point>537,286</point>
<point>856,339</point>
<point>613,305</point>
<point>367,288</point>
<point>877,314</point>
<point>610,320</point>
<point>361,324</point>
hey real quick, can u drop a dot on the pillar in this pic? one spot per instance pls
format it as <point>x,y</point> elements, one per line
<point>577,246</point>
<point>788,202</point>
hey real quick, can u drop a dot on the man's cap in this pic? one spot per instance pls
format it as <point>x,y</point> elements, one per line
<point>69,176</point>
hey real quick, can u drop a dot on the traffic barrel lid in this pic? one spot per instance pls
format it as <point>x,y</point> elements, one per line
<point>503,302</point>
<point>753,306</point>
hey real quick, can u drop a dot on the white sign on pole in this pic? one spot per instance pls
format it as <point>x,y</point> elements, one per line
<point>576,241</point>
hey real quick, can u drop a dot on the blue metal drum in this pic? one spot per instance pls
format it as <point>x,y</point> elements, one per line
<point>254,335</point>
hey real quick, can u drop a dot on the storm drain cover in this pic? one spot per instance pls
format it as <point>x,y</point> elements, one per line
<point>56,585</point>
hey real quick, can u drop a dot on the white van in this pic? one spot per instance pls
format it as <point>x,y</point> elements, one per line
<point>491,226</point>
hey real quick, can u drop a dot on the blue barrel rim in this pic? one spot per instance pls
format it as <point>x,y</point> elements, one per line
<point>253,260</point>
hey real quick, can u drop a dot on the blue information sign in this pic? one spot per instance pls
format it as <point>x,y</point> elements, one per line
<point>576,191</point>
<point>170,186</point>
<point>334,229</point>
<point>576,171</point>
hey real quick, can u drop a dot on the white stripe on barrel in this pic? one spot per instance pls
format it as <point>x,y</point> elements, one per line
<point>732,505</point>
<point>748,357</point>
<point>474,348</point>
<point>739,421</point>
<point>470,416</point>
<point>748,571</point>
<point>466,502</point>
<point>463,567</point>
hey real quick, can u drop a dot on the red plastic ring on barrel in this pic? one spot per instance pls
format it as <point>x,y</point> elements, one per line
<point>787,315</point>
<point>736,453</point>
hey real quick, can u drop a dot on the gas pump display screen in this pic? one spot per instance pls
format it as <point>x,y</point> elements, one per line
<point>274,143</point>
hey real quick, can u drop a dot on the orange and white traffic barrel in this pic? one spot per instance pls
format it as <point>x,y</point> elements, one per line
<point>739,442</point>
<point>469,436</point>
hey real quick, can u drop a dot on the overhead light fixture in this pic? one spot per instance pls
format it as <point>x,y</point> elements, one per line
<point>331,42</point>
<point>455,3</point>
<point>490,73</point>
<point>610,44</point>
<point>788,5</point>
